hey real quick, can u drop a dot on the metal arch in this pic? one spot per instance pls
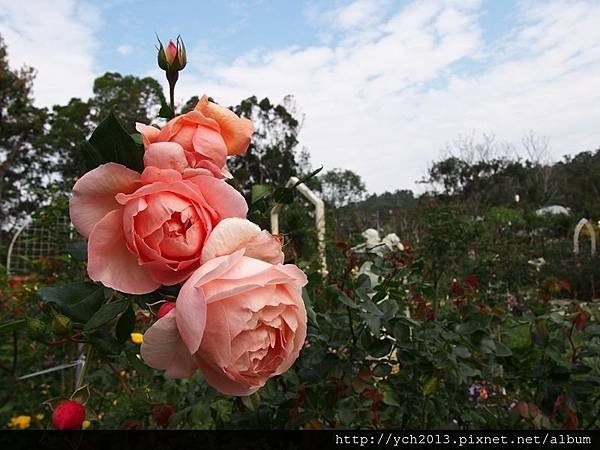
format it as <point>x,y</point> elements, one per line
<point>319,218</point>
<point>584,223</point>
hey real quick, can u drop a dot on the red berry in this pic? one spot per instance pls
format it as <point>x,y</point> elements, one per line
<point>68,415</point>
<point>165,308</point>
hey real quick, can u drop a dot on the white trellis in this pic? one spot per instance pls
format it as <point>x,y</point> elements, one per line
<point>319,218</point>
<point>32,241</point>
<point>588,226</point>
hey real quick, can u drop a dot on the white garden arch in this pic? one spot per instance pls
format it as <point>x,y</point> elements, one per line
<point>319,218</point>
<point>584,223</point>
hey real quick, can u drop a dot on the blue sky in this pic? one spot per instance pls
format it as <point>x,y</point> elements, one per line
<point>383,87</point>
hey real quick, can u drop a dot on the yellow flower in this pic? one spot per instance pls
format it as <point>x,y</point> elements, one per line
<point>39,417</point>
<point>86,424</point>
<point>137,338</point>
<point>21,422</point>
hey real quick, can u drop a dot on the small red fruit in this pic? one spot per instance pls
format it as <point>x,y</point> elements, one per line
<point>68,415</point>
<point>165,308</point>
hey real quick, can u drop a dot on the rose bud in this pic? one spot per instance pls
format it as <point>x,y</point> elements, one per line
<point>173,58</point>
<point>68,415</point>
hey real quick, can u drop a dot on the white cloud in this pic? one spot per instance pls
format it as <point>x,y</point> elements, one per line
<point>56,38</point>
<point>124,50</point>
<point>384,100</point>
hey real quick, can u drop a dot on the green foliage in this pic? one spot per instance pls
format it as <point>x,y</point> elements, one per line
<point>111,143</point>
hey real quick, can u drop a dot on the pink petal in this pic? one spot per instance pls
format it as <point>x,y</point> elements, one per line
<point>191,314</point>
<point>229,235</point>
<point>163,348</point>
<point>236,131</point>
<point>209,143</point>
<point>94,194</point>
<point>148,132</point>
<point>166,155</point>
<point>221,197</point>
<point>111,263</point>
<point>220,381</point>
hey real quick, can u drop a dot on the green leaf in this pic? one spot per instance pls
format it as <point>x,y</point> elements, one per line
<point>252,402</point>
<point>12,326</point>
<point>259,192</point>
<point>430,386</point>
<point>468,327</point>
<point>390,396</point>
<point>342,297</point>
<point>137,363</point>
<point>79,300</point>
<point>310,312</point>
<point>78,250</point>
<point>111,143</point>
<point>461,352</point>
<point>307,177</point>
<point>380,348</point>
<point>502,350</point>
<point>284,195</point>
<point>125,325</point>
<point>137,138</point>
<point>105,314</point>
<point>166,112</point>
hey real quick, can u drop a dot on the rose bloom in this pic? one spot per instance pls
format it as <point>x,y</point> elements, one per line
<point>147,230</point>
<point>207,135</point>
<point>239,318</point>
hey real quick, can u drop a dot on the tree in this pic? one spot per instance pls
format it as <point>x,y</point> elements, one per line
<point>23,166</point>
<point>273,156</point>
<point>341,187</point>
<point>132,99</point>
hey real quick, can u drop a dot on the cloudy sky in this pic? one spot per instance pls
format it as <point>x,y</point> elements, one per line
<point>384,85</point>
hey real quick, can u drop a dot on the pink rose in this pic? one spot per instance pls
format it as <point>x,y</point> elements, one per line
<point>207,135</point>
<point>239,319</point>
<point>149,229</point>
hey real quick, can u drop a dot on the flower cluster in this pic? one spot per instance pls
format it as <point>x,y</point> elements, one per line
<point>239,316</point>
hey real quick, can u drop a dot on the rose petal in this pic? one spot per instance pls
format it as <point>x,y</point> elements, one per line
<point>166,155</point>
<point>111,263</point>
<point>221,196</point>
<point>229,235</point>
<point>236,131</point>
<point>148,132</point>
<point>163,348</point>
<point>94,194</point>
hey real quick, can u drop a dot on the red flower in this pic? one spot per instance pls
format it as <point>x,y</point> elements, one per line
<point>472,281</point>
<point>162,413</point>
<point>68,415</point>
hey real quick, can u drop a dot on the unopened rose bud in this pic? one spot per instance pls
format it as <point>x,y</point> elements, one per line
<point>173,57</point>
<point>68,415</point>
<point>171,52</point>
<point>165,308</point>
<point>61,324</point>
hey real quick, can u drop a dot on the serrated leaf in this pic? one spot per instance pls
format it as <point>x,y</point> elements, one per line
<point>79,300</point>
<point>310,312</point>
<point>105,314</point>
